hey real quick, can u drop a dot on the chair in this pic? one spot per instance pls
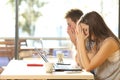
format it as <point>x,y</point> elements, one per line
<point>7,47</point>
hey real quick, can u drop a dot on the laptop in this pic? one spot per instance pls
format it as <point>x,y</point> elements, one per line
<point>59,66</point>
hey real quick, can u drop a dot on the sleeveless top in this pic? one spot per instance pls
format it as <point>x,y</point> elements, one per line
<point>110,69</point>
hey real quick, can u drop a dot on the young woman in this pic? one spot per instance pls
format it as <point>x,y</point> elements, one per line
<point>105,46</point>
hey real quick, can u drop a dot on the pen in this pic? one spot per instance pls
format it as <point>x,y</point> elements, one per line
<point>34,64</point>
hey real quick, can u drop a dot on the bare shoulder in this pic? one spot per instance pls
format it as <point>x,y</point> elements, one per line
<point>109,40</point>
<point>108,47</point>
<point>110,43</point>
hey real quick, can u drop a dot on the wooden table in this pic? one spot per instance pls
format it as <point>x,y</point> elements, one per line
<point>18,69</point>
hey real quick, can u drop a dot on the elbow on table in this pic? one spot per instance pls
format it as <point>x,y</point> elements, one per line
<point>89,69</point>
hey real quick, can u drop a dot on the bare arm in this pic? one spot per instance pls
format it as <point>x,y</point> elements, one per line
<point>108,47</point>
<point>78,60</point>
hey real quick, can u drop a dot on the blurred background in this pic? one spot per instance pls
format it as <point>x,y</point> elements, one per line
<point>43,20</point>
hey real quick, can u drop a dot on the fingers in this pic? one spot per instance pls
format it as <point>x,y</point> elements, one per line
<point>78,29</point>
<point>71,30</point>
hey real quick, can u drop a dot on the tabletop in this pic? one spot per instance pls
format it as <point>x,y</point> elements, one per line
<point>18,69</point>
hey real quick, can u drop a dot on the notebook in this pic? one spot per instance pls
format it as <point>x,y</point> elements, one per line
<point>59,66</point>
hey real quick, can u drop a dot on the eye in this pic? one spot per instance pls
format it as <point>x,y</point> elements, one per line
<point>68,26</point>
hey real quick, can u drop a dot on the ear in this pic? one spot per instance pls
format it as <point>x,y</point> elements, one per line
<point>87,31</point>
<point>87,34</point>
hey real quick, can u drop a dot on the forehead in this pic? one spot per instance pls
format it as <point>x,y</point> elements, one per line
<point>69,20</point>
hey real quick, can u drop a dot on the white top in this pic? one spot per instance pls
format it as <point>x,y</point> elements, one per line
<point>110,69</point>
<point>114,57</point>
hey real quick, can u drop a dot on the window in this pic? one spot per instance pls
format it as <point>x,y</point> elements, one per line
<point>45,18</point>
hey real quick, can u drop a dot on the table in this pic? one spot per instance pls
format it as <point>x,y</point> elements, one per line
<point>18,69</point>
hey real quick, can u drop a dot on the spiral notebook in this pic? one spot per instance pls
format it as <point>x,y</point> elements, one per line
<point>59,66</point>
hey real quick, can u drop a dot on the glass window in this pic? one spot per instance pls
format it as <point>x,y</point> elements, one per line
<point>7,19</point>
<point>45,18</point>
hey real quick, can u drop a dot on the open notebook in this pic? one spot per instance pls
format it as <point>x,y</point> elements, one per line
<point>57,66</point>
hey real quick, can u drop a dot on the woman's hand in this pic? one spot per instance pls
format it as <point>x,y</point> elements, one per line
<point>82,31</point>
<point>81,34</point>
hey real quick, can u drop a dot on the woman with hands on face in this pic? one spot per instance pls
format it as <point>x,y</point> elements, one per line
<point>105,46</point>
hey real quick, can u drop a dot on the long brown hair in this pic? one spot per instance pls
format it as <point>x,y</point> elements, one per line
<point>98,28</point>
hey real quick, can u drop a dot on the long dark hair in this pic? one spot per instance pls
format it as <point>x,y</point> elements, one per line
<point>98,28</point>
